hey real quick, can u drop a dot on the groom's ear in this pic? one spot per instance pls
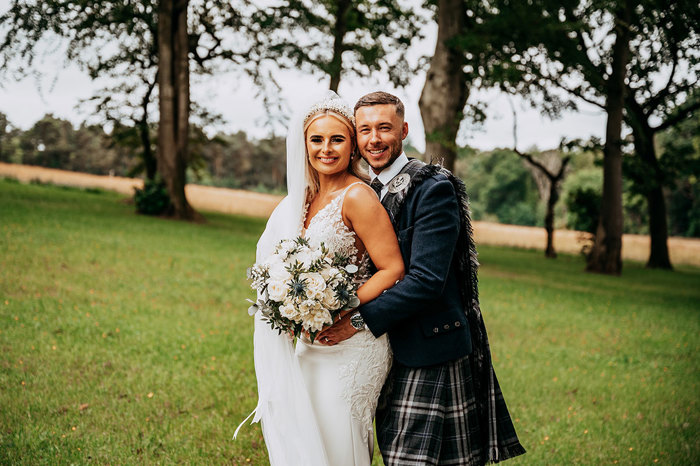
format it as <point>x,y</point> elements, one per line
<point>404,130</point>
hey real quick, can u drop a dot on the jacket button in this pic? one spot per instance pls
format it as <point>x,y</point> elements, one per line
<point>436,330</point>
<point>446,326</point>
<point>458,323</point>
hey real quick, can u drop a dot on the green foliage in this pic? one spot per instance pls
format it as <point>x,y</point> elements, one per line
<point>10,151</point>
<point>684,211</point>
<point>234,161</point>
<point>500,188</point>
<point>680,155</point>
<point>54,143</point>
<point>153,199</point>
<point>582,195</point>
<point>126,341</point>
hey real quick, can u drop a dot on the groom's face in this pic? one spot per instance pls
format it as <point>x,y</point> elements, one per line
<point>380,135</point>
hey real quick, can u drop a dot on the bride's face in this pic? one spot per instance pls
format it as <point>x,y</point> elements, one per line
<point>329,145</point>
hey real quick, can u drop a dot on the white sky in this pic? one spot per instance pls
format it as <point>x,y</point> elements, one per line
<point>59,89</point>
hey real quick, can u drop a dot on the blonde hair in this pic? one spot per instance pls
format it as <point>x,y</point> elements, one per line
<point>354,167</point>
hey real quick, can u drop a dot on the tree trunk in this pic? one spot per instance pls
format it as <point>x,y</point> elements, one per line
<point>658,229</point>
<point>445,91</point>
<point>652,186</point>
<point>549,218</point>
<point>656,204</point>
<point>174,103</point>
<point>606,253</point>
<point>551,194</point>
<point>339,31</point>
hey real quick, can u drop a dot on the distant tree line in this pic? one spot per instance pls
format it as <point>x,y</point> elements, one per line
<point>504,188</point>
<point>226,160</point>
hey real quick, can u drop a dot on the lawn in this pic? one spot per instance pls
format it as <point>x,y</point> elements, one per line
<point>125,339</point>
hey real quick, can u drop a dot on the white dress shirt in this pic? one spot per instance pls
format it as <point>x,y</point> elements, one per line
<point>386,175</point>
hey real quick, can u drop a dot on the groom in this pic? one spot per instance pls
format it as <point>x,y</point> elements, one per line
<point>442,403</point>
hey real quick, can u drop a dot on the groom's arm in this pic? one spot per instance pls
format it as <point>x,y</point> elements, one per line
<point>435,233</point>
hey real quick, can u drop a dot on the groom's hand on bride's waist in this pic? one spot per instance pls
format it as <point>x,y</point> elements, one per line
<point>340,331</point>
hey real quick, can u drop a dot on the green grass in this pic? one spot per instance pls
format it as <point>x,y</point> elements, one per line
<point>124,339</point>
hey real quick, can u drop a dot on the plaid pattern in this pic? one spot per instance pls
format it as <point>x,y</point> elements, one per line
<point>427,416</point>
<point>500,441</point>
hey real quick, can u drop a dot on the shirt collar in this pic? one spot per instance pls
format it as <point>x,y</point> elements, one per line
<point>391,171</point>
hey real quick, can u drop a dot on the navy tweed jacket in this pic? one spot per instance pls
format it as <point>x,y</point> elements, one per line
<point>424,314</point>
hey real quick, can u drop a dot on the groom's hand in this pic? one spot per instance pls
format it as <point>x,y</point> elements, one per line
<point>341,330</point>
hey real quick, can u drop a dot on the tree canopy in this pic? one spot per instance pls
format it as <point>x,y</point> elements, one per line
<point>337,37</point>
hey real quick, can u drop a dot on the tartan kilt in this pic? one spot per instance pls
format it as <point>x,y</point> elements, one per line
<point>428,416</point>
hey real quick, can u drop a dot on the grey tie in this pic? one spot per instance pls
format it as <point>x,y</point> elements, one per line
<point>377,186</point>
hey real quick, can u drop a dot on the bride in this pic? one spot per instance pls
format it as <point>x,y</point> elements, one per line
<point>317,400</point>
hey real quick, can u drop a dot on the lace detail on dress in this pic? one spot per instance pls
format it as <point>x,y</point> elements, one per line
<point>327,227</point>
<point>365,377</point>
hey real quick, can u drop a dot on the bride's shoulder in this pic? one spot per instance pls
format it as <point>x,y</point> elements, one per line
<point>359,190</point>
<point>360,198</point>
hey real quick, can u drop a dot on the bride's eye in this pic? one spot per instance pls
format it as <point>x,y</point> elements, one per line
<point>316,139</point>
<point>337,139</point>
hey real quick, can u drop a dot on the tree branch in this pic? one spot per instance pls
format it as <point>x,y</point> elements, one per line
<point>655,100</point>
<point>530,159</point>
<point>682,112</point>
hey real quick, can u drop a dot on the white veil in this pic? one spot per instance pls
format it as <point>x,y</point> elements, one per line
<point>290,429</point>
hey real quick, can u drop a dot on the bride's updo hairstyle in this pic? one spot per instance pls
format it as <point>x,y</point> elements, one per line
<point>337,109</point>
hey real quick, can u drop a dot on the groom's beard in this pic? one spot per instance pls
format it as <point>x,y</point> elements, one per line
<point>395,151</point>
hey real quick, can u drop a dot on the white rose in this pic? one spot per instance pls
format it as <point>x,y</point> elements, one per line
<point>271,259</point>
<point>315,321</point>
<point>289,311</point>
<point>286,246</point>
<point>329,300</point>
<point>306,257</point>
<point>278,272</point>
<point>308,306</point>
<point>315,284</point>
<point>277,290</point>
<point>329,272</point>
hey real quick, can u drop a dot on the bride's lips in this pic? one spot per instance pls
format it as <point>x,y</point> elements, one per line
<point>327,160</point>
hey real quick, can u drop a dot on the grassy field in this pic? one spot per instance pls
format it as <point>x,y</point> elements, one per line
<point>125,339</point>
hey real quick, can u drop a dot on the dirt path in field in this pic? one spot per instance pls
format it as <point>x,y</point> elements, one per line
<point>236,201</point>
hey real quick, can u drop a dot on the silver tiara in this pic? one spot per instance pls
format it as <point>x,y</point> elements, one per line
<point>335,104</point>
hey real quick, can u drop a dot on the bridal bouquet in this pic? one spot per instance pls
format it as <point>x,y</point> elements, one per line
<point>302,288</point>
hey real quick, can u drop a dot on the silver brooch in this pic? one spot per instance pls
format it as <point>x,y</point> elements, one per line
<point>399,183</point>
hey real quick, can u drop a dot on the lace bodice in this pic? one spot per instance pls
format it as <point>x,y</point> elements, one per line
<point>327,227</point>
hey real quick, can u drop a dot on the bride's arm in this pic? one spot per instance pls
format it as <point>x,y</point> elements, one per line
<point>364,214</point>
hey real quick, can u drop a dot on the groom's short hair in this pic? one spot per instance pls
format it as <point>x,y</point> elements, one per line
<point>380,98</point>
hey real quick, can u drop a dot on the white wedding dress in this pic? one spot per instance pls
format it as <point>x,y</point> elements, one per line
<point>343,381</point>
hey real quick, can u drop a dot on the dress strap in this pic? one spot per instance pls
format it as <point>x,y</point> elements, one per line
<point>350,186</point>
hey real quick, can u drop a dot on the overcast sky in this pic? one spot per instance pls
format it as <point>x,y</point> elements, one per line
<point>58,89</point>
